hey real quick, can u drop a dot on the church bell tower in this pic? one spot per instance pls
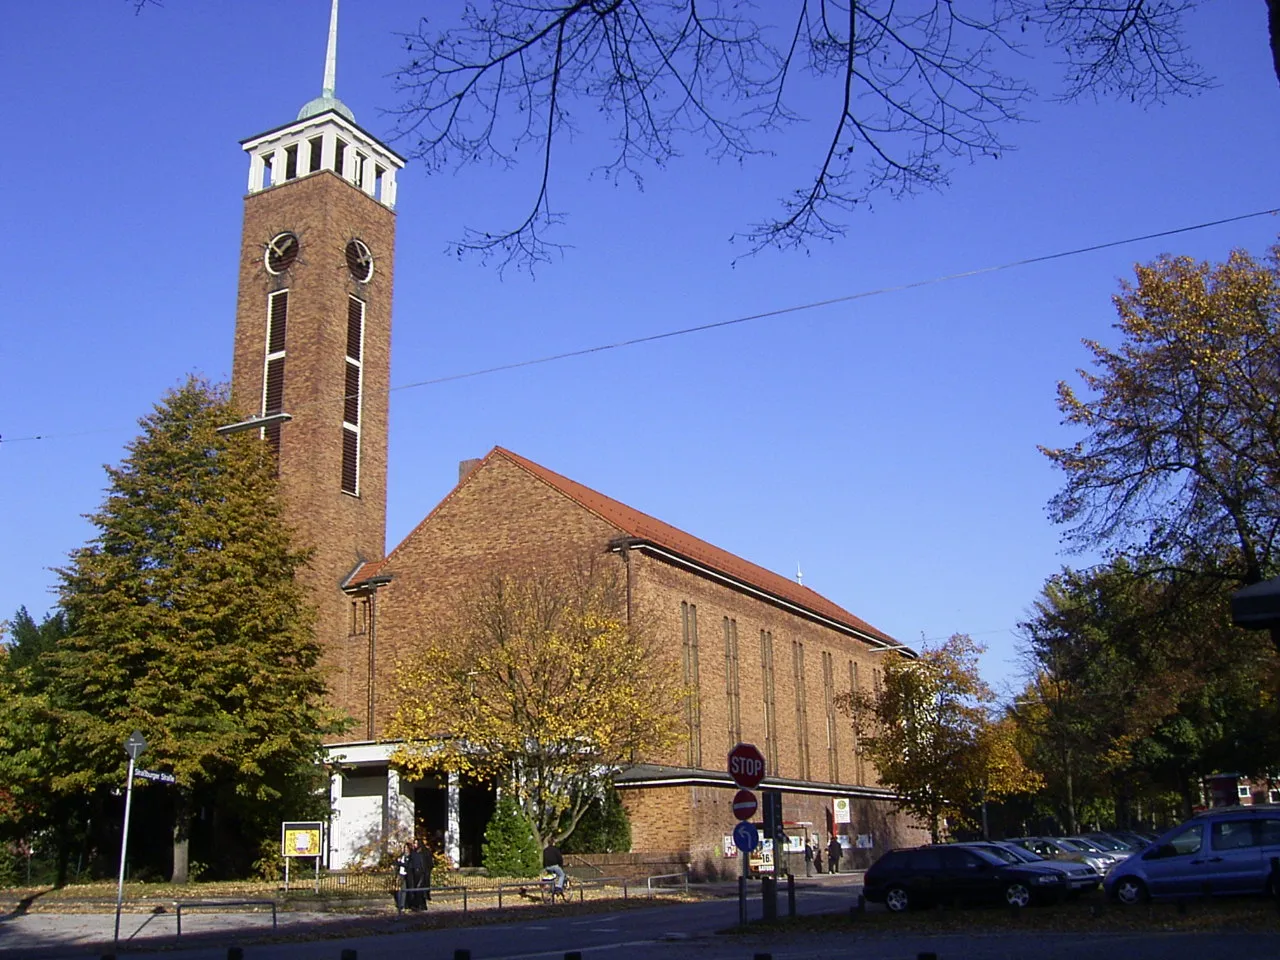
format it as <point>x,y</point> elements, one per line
<point>313,339</point>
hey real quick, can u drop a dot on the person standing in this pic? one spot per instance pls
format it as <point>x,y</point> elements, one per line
<point>833,855</point>
<point>418,875</point>
<point>808,858</point>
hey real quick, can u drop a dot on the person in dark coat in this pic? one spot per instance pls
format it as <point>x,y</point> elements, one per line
<point>808,858</point>
<point>419,874</point>
<point>833,855</point>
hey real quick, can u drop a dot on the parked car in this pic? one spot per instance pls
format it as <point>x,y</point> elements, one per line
<point>1054,849</point>
<point>1080,877</point>
<point>1091,846</point>
<point>1138,839</point>
<point>1113,843</point>
<point>921,876</point>
<point>1229,850</point>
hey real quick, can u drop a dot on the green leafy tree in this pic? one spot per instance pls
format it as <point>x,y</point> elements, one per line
<point>1140,686</point>
<point>929,732</point>
<point>509,848</point>
<point>190,625</point>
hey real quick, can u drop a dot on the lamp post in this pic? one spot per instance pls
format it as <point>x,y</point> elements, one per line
<point>254,423</point>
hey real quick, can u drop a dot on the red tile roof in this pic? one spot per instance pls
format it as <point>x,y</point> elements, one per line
<point>644,527</point>
<point>641,526</point>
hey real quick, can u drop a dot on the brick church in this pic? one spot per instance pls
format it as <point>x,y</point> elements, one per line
<point>766,656</point>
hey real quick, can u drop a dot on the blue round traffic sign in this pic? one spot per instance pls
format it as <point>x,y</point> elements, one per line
<point>746,837</point>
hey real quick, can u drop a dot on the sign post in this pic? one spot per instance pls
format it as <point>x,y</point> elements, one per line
<point>133,746</point>
<point>301,838</point>
<point>746,767</point>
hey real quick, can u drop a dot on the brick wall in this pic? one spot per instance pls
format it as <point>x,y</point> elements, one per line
<point>325,212</point>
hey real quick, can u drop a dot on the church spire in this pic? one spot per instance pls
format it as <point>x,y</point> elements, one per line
<point>331,55</point>
<point>328,99</point>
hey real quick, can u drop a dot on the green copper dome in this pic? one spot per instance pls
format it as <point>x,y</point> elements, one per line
<point>322,104</point>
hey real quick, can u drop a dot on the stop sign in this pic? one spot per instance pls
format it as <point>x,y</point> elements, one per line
<point>746,765</point>
<point>744,805</point>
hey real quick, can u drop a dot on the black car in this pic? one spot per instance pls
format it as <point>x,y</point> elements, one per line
<point>921,876</point>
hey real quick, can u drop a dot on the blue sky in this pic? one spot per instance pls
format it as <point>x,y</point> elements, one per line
<point>887,445</point>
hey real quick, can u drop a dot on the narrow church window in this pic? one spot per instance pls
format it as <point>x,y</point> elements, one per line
<point>770,703</point>
<point>378,173</point>
<point>854,688</point>
<point>291,162</point>
<point>267,161</point>
<point>351,397</point>
<point>317,151</point>
<point>802,709</point>
<point>692,703</point>
<point>731,680</point>
<point>829,705</point>
<point>359,616</point>
<point>273,372</point>
<point>340,158</point>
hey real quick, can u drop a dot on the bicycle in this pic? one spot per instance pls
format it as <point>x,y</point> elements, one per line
<point>548,882</point>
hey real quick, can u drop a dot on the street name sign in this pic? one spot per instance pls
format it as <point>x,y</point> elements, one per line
<point>156,775</point>
<point>746,765</point>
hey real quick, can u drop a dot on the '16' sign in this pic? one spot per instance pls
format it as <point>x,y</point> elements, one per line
<point>746,766</point>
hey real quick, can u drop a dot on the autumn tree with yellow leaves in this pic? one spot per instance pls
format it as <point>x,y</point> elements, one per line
<point>537,681</point>
<point>1180,457</point>
<point>928,729</point>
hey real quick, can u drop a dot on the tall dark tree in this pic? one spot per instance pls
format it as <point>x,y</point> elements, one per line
<point>190,624</point>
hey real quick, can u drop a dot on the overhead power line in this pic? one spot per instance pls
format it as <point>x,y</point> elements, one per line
<point>765,315</point>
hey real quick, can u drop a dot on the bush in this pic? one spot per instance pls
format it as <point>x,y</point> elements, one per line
<point>604,828</point>
<point>509,849</point>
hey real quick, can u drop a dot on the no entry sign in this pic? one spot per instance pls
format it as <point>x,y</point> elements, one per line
<point>746,765</point>
<point>744,805</point>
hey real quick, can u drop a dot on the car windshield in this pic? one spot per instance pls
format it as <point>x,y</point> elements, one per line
<point>1086,844</point>
<point>1021,854</point>
<point>1107,843</point>
<point>1068,845</point>
<point>999,853</point>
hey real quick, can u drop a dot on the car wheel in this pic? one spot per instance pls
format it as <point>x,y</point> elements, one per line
<point>896,899</point>
<point>1130,890</point>
<point>1017,895</point>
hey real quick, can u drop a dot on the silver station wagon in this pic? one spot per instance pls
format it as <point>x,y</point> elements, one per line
<point>1229,850</point>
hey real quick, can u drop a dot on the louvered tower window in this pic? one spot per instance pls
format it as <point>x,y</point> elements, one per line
<point>273,373</point>
<point>351,397</point>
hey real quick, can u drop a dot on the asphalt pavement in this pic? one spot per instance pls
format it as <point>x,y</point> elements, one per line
<point>664,931</point>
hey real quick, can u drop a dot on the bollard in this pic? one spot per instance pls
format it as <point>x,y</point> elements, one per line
<point>573,955</point>
<point>791,894</point>
<point>462,955</point>
<point>235,953</point>
<point>769,898</point>
<point>762,956</point>
<point>742,901</point>
<point>926,956</point>
<point>347,954</point>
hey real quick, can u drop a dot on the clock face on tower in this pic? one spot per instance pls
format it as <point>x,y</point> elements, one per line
<point>359,261</point>
<point>282,251</point>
